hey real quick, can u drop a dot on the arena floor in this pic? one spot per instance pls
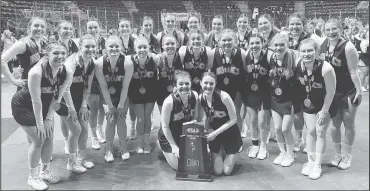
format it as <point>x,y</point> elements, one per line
<point>148,172</point>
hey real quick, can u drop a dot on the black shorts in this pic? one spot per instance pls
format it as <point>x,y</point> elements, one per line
<point>230,140</point>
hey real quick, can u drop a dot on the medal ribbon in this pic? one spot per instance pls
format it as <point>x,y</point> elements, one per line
<point>209,110</point>
<point>186,110</point>
<point>329,55</point>
<point>84,73</point>
<point>309,80</point>
<point>256,66</point>
<point>139,70</point>
<point>54,82</point>
<point>227,65</point>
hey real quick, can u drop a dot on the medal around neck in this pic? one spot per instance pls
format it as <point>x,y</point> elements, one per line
<point>278,91</point>
<point>307,102</point>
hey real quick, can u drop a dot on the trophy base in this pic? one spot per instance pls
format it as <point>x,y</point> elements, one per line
<point>190,177</point>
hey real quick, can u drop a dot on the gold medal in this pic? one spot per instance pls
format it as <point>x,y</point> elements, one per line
<point>112,90</point>
<point>254,87</point>
<point>226,80</point>
<point>278,91</point>
<point>196,80</point>
<point>307,102</point>
<point>170,88</point>
<point>142,90</point>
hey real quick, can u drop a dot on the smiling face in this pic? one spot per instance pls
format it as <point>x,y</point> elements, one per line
<point>242,24</point>
<point>66,30</point>
<point>217,24</point>
<point>295,26</point>
<point>332,30</point>
<point>88,48</point>
<point>37,28</point>
<point>183,85</point>
<point>93,28</point>
<point>169,22</point>
<point>264,25</point>
<point>142,47</point>
<point>169,45</point>
<point>148,26</point>
<point>196,40</point>
<point>113,46</point>
<point>57,55</point>
<point>280,46</point>
<point>193,23</point>
<point>255,44</point>
<point>307,52</point>
<point>208,84</point>
<point>227,42</point>
<point>124,27</point>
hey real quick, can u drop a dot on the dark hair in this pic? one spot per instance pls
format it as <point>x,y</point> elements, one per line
<point>146,18</point>
<point>218,17</point>
<point>269,18</point>
<point>182,74</point>
<point>297,15</point>
<point>242,15</point>
<point>255,36</point>
<point>193,15</point>
<point>210,74</point>
<point>197,31</point>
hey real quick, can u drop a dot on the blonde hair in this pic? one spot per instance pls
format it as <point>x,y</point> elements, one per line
<point>289,57</point>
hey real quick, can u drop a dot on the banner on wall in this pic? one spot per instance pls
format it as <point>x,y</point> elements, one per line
<point>179,16</point>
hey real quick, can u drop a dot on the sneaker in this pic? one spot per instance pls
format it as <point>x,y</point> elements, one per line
<point>75,167</point>
<point>253,151</point>
<point>307,168</point>
<point>85,163</point>
<point>305,150</point>
<point>279,158</point>
<point>363,89</point>
<point>336,159</point>
<point>100,135</point>
<point>298,145</point>
<point>315,172</point>
<point>36,183</point>
<point>288,160</point>
<point>49,176</point>
<point>125,156</point>
<point>345,162</point>
<point>109,156</point>
<point>262,153</point>
<point>139,150</point>
<point>66,150</point>
<point>95,143</point>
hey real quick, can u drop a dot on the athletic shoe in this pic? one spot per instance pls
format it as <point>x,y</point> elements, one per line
<point>75,167</point>
<point>253,151</point>
<point>315,172</point>
<point>95,143</point>
<point>288,160</point>
<point>279,158</point>
<point>345,162</point>
<point>49,176</point>
<point>262,153</point>
<point>336,159</point>
<point>36,183</point>
<point>307,168</point>
<point>108,156</point>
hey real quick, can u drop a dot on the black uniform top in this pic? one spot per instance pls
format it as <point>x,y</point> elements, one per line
<point>267,43</point>
<point>229,73</point>
<point>196,68</point>
<point>212,42</point>
<point>154,45</point>
<point>71,47</point>
<point>217,115</point>
<point>100,47</point>
<point>304,35</point>
<point>31,56</point>
<point>312,86</point>
<point>338,60</point>
<point>179,115</point>
<point>143,85</point>
<point>130,50</point>
<point>166,76</point>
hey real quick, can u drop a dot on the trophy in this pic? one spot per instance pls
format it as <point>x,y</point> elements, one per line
<point>195,163</point>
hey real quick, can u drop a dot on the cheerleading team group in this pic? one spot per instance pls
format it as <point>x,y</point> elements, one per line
<point>210,78</point>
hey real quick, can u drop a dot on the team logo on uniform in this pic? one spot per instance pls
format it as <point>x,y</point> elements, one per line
<point>336,62</point>
<point>234,70</point>
<point>263,71</point>
<point>150,74</point>
<point>220,70</point>
<point>317,85</point>
<point>249,68</point>
<point>178,116</point>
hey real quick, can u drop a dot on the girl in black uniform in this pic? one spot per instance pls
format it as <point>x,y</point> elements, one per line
<point>224,132</point>
<point>296,23</point>
<point>147,25</point>
<point>33,109</point>
<point>143,92</point>
<point>65,29</point>
<point>283,87</point>
<point>196,58</point>
<point>214,35</point>
<point>193,24</point>
<point>75,115</point>
<point>124,30</point>
<point>266,27</point>
<point>342,55</point>
<point>28,51</point>
<point>178,108</point>
<point>364,61</point>
<point>169,64</point>
<point>114,71</point>
<point>256,94</point>
<point>243,33</point>
<point>95,99</point>
<point>317,78</point>
<point>228,61</point>
<point>169,27</point>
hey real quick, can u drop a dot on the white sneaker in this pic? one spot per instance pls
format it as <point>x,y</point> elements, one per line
<point>66,150</point>
<point>75,167</point>
<point>100,135</point>
<point>36,183</point>
<point>139,150</point>
<point>125,156</point>
<point>363,89</point>
<point>253,151</point>
<point>147,149</point>
<point>315,172</point>
<point>108,156</point>
<point>85,163</point>
<point>95,143</point>
<point>345,162</point>
<point>298,145</point>
<point>262,153</point>
<point>288,160</point>
<point>279,158</point>
<point>307,168</point>
<point>336,159</point>
<point>49,176</point>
